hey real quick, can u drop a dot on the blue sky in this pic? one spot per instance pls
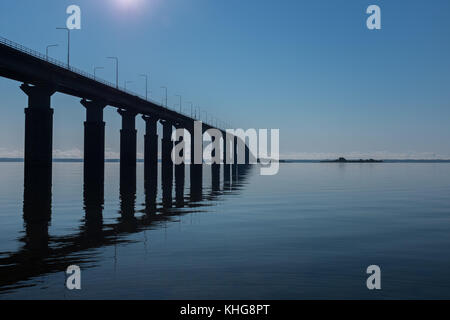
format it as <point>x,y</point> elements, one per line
<point>310,68</point>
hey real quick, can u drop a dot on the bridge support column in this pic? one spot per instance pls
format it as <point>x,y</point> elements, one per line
<point>196,169</point>
<point>94,148</point>
<point>38,146</point>
<point>128,146</point>
<point>167,163</point>
<point>215,168</point>
<point>166,152</point>
<point>235,159</point>
<point>226,165</point>
<point>180,170</point>
<point>150,149</point>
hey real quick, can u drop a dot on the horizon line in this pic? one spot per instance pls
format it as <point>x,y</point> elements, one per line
<point>114,160</point>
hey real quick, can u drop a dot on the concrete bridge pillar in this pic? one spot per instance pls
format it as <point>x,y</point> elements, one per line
<point>38,128</point>
<point>150,148</point>
<point>180,172</point>
<point>196,154</point>
<point>215,168</point>
<point>167,163</point>
<point>94,147</point>
<point>235,158</point>
<point>128,146</point>
<point>226,166</point>
<point>38,147</point>
<point>196,169</point>
<point>166,150</point>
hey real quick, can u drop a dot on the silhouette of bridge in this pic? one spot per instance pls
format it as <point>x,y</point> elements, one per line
<point>41,77</point>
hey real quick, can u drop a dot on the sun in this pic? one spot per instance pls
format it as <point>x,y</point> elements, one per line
<point>131,4</point>
<point>132,9</point>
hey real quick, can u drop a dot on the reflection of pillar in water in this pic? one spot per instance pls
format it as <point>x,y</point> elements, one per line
<point>234,169</point>
<point>37,200</point>
<point>215,168</point>
<point>150,148</point>
<point>93,207</point>
<point>127,202</point>
<point>151,192</point>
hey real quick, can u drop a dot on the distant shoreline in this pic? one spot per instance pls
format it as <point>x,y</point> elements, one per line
<point>382,161</point>
<point>6,160</point>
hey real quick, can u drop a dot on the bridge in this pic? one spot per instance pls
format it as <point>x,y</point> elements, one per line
<point>41,77</point>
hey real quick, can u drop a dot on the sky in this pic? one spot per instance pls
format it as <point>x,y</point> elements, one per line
<point>309,68</point>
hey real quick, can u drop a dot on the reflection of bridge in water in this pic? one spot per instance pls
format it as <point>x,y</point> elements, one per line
<point>43,254</point>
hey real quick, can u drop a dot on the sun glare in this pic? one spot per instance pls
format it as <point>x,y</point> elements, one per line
<point>130,4</point>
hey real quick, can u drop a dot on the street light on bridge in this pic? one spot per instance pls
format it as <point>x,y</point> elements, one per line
<point>177,95</point>
<point>166,94</point>
<point>117,70</point>
<point>192,107</point>
<point>68,45</point>
<point>146,85</point>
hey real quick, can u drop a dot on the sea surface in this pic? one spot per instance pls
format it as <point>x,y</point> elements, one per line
<point>308,232</point>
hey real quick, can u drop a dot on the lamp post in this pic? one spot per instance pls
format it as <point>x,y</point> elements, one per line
<point>68,45</point>
<point>117,70</point>
<point>177,95</point>
<point>146,85</point>
<point>192,107</point>
<point>46,50</point>
<point>95,71</point>
<point>199,113</point>
<point>166,94</point>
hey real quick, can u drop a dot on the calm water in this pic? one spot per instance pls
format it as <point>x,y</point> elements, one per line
<point>309,232</point>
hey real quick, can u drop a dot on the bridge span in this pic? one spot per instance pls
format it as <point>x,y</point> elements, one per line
<point>41,77</point>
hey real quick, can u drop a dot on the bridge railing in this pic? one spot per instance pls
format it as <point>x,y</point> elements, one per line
<point>63,65</point>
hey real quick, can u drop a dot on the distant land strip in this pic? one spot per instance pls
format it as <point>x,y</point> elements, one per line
<point>75,160</point>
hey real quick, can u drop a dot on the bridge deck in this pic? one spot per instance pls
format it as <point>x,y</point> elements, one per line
<point>25,65</point>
